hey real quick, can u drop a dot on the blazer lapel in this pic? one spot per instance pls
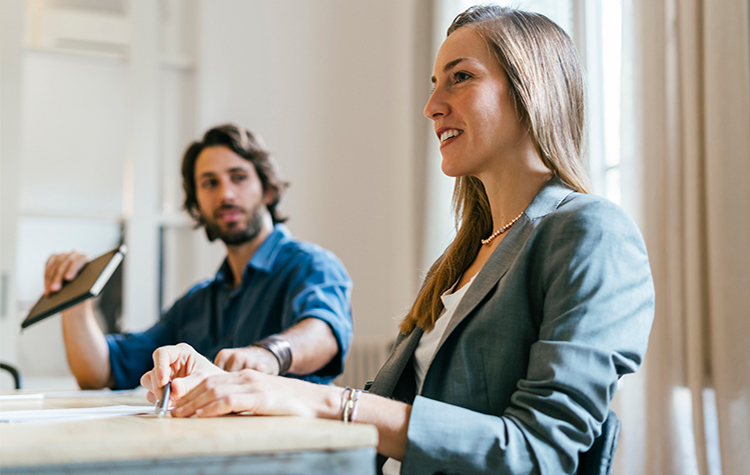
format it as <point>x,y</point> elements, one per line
<point>548,198</point>
<point>389,374</point>
<point>490,274</point>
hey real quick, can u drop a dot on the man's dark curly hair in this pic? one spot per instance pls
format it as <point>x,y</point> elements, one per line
<point>248,146</point>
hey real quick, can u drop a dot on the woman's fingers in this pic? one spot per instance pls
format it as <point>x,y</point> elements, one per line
<point>232,392</point>
<point>226,405</point>
<point>179,365</point>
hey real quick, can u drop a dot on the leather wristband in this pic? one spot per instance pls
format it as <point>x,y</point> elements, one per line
<point>280,348</point>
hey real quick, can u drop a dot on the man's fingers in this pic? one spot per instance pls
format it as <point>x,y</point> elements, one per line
<point>221,359</point>
<point>49,271</point>
<point>75,264</point>
<point>58,272</point>
<point>62,267</point>
<point>235,363</point>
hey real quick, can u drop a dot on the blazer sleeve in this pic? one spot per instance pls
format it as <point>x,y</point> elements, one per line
<point>591,288</point>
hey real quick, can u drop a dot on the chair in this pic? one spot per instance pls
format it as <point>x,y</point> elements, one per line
<point>599,459</point>
<point>13,372</point>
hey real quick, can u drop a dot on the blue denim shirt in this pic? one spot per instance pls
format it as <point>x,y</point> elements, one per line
<point>285,281</point>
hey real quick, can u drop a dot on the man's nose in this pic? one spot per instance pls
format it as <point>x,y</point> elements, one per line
<point>227,191</point>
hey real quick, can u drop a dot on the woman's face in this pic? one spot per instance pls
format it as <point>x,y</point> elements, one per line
<point>471,107</point>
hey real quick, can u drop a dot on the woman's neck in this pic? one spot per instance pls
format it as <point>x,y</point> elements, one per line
<point>511,188</point>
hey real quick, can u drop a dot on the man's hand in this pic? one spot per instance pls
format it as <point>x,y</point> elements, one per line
<point>61,267</point>
<point>251,357</point>
<point>180,364</point>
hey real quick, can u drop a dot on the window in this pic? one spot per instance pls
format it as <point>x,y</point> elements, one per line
<point>596,29</point>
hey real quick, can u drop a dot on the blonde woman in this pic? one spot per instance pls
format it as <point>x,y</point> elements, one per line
<point>510,356</point>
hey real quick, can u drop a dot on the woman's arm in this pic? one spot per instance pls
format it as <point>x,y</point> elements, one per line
<point>199,388</point>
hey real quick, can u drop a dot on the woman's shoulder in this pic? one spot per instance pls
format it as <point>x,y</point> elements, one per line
<point>588,218</point>
<point>588,210</point>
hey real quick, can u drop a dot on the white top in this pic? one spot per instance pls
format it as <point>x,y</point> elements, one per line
<point>427,348</point>
<point>428,344</point>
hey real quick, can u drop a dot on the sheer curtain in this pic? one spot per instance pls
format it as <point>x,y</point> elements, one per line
<point>688,78</point>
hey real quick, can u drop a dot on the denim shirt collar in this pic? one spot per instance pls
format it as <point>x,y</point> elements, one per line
<point>264,258</point>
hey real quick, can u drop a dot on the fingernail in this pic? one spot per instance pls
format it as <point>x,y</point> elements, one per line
<point>199,412</point>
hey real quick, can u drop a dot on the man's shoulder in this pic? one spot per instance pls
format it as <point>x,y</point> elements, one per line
<point>200,290</point>
<point>296,251</point>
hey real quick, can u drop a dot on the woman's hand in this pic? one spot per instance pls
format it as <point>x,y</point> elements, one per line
<point>258,393</point>
<point>181,365</point>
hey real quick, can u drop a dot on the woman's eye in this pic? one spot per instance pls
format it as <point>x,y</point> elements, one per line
<point>461,77</point>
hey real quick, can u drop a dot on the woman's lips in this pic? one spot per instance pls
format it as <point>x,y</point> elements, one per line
<point>447,135</point>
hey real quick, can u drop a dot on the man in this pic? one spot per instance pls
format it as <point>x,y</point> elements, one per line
<point>276,305</point>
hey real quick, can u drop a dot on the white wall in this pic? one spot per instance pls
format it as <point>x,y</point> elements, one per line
<point>330,87</point>
<point>335,87</point>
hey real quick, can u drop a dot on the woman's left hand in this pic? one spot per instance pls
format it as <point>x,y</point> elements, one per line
<point>257,393</point>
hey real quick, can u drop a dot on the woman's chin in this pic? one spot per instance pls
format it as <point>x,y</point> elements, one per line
<point>453,171</point>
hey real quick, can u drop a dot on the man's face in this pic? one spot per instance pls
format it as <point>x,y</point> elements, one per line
<point>230,195</point>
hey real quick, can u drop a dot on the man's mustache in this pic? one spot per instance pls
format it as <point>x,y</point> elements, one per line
<point>221,208</point>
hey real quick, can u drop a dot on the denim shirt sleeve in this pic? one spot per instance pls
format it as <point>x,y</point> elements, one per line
<point>322,290</point>
<point>130,354</point>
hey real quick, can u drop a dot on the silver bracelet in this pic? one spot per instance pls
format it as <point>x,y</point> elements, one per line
<point>280,348</point>
<point>350,398</point>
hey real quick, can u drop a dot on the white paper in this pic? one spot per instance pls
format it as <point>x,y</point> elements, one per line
<point>76,413</point>
<point>20,397</point>
<point>89,393</point>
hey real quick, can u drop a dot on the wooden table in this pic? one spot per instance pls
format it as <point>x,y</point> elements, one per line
<point>239,444</point>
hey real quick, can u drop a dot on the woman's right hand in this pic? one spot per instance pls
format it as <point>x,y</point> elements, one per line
<point>180,364</point>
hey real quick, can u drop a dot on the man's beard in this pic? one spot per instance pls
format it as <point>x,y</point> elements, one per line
<point>235,237</point>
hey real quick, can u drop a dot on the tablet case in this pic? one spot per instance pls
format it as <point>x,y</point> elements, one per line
<point>89,282</point>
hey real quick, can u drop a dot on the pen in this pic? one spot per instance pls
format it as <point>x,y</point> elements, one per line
<point>162,405</point>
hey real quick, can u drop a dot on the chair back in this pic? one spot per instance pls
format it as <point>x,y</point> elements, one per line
<point>599,459</point>
<point>14,373</point>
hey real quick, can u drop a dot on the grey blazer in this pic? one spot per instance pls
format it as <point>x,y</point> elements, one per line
<point>529,363</point>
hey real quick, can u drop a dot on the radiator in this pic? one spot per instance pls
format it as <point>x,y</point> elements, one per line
<point>363,362</point>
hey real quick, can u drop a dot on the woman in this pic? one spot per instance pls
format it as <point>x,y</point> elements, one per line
<point>510,356</point>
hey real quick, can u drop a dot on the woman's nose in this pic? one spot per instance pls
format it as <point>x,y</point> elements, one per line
<point>435,106</point>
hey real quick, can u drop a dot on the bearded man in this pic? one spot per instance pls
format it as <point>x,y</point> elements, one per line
<point>276,304</point>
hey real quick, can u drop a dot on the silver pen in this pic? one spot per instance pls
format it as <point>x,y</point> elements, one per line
<point>162,405</point>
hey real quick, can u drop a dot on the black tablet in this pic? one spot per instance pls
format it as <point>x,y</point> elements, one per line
<point>89,282</point>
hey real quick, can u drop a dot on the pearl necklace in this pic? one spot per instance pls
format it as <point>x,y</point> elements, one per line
<point>501,230</point>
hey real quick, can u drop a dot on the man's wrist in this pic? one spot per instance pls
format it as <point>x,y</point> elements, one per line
<point>280,348</point>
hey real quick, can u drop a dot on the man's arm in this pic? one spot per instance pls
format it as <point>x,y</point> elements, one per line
<point>86,347</point>
<point>85,344</point>
<point>312,343</point>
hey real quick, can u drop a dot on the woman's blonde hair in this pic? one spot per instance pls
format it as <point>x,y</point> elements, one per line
<point>547,88</point>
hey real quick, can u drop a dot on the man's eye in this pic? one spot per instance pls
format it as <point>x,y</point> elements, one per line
<point>208,184</point>
<point>238,178</point>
